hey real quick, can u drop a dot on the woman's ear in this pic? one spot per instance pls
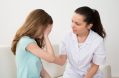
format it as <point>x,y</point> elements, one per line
<point>90,26</point>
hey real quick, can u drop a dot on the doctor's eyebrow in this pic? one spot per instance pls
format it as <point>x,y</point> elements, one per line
<point>76,23</point>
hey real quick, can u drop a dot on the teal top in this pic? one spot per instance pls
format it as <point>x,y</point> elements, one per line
<point>28,65</point>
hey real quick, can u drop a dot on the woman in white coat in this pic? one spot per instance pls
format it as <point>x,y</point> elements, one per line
<point>83,48</point>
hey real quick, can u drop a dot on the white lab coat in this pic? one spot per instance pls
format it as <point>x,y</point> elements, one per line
<point>79,59</point>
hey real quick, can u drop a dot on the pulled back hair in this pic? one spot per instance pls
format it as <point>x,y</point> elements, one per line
<point>92,17</point>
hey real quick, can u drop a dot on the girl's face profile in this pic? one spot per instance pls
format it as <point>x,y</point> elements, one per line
<point>79,26</point>
<point>48,29</point>
<point>45,30</point>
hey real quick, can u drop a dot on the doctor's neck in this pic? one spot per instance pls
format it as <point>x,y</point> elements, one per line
<point>83,34</point>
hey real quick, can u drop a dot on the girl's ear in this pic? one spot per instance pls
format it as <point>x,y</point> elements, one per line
<point>90,26</point>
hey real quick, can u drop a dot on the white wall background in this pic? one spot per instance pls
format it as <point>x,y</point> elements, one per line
<point>14,12</point>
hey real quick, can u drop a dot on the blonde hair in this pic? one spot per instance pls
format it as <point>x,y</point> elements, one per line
<point>35,24</point>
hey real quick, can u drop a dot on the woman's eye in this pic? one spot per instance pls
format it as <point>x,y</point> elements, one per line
<point>77,24</point>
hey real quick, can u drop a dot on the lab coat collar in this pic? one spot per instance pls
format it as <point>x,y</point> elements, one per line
<point>88,39</point>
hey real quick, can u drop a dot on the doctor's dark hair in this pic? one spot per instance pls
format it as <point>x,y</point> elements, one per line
<point>92,17</point>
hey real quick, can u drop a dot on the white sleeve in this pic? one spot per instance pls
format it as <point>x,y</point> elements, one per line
<point>62,49</point>
<point>99,57</point>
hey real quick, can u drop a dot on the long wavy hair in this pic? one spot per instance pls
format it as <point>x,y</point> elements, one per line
<point>36,22</point>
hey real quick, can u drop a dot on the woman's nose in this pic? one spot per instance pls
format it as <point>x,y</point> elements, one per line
<point>73,25</point>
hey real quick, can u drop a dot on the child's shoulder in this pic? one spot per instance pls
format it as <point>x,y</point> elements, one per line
<point>26,39</point>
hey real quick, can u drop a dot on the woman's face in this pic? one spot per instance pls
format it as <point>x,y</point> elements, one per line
<point>79,26</point>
